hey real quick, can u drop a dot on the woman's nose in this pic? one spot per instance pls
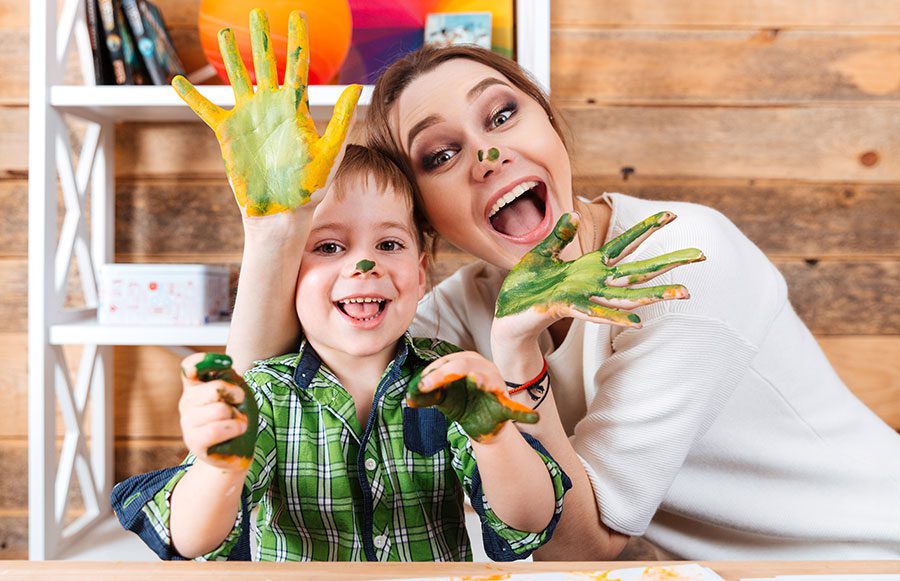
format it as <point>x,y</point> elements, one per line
<point>488,161</point>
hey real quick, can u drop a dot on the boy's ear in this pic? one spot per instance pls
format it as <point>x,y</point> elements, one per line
<point>423,274</point>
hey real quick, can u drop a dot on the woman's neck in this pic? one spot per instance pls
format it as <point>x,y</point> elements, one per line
<point>595,220</point>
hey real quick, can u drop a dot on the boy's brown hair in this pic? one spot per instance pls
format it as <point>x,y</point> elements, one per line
<point>361,163</point>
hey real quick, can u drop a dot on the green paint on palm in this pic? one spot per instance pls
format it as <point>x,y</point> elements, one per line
<point>218,366</point>
<point>265,143</point>
<point>273,154</point>
<point>365,265</point>
<point>481,413</point>
<point>543,282</point>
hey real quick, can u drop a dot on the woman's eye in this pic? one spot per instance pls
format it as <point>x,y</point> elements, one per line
<point>503,115</point>
<point>328,248</point>
<point>390,246</point>
<point>438,159</point>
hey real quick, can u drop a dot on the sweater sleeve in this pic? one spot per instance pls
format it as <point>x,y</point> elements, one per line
<point>656,396</point>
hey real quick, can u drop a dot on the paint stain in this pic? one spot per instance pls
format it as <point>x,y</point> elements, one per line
<point>365,265</point>
<point>493,154</point>
<point>627,172</point>
<point>869,158</point>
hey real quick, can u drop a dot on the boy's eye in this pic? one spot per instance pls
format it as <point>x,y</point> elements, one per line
<point>328,248</point>
<point>390,245</point>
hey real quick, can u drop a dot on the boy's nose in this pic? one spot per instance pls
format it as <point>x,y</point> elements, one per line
<point>364,267</point>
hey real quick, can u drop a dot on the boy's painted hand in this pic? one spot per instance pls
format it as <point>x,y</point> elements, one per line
<point>274,157</point>
<point>593,287</point>
<point>468,389</point>
<point>219,416</point>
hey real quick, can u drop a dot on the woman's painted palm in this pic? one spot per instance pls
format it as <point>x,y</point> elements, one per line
<point>274,157</point>
<point>595,286</point>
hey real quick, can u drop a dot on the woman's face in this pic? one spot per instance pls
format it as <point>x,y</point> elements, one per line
<point>499,203</point>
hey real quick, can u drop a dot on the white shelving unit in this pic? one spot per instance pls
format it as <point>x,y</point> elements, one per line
<point>52,165</point>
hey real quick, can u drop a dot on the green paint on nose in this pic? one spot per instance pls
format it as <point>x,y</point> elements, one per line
<point>493,154</point>
<point>480,155</point>
<point>365,265</point>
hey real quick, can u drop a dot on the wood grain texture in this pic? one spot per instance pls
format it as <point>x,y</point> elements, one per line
<point>783,217</point>
<point>821,143</point>
<point>14,537</point>
<point>187,217</point>
<point>868,365</point>
<point>196,219</point>
<point>724,67</point>
<point>735,14</point>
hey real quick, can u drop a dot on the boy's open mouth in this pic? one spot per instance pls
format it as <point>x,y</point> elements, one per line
<point>521,210</point>
<point>362,309</point>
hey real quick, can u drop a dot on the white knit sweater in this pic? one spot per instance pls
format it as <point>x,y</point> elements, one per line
<point>719,430</point>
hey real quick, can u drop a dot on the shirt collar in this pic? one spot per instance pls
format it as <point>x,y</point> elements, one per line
<point>308,363</point>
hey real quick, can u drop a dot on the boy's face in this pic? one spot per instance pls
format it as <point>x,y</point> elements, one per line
<point>362,274</point>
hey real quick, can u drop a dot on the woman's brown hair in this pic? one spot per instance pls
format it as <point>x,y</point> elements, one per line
<point>394,80</point>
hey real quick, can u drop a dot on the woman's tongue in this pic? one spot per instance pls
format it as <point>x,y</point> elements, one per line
<point>361,310</point>
<point>519,217</point>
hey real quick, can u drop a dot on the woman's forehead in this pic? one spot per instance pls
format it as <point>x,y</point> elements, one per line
<point>453,83</point>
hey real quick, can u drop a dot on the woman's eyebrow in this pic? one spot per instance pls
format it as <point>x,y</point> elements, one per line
<point>419,128</point>
<point>482,85</point>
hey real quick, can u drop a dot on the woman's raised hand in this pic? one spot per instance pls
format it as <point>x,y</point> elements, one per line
<point>594,287</point>
<point>274,157</point>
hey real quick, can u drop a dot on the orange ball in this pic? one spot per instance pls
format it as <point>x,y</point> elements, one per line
<point>330,29</point>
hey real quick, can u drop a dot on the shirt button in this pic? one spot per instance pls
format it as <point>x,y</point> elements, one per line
<point>380,541</point>
<point>370,464</point>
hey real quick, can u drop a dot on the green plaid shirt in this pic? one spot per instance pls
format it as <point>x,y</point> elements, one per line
<point>328,490</point>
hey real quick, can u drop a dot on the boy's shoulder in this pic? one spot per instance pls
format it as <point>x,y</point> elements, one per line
<point>280,366</point>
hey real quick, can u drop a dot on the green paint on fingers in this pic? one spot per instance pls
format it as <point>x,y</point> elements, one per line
<point>365,265</point>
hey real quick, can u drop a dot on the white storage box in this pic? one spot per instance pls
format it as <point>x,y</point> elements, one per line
<point>163,294</point>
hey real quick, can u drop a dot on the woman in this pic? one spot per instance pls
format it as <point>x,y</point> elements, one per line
<point>717,431</point>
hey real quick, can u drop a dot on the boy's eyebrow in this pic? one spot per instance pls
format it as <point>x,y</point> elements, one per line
<point>341,227</point>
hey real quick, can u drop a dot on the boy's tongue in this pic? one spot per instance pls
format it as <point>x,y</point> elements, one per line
<point>519,217</point>
<point>361,310</point>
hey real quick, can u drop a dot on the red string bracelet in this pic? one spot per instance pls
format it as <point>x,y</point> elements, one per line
<point>517,387</point>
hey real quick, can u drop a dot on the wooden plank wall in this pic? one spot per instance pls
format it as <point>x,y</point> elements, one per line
<point>783,115</point>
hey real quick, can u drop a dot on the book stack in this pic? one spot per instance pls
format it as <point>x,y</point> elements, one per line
<point>130,43</point>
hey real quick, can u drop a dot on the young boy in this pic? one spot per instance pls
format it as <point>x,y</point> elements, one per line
<point>344,468</point>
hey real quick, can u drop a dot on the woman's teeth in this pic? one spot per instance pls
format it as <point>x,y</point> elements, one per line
<point>510,196</point>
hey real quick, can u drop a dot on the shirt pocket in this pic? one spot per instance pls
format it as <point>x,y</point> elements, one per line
<point>424,430</point>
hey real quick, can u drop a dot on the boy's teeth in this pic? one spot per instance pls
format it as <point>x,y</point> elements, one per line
<point>362,308</point>
<point>511,195</point>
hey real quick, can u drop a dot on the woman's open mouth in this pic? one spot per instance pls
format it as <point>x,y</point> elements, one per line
<point>521,212</point>
<point>362,310</point>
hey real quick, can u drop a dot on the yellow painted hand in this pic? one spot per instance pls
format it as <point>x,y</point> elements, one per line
<point>274,157</point>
